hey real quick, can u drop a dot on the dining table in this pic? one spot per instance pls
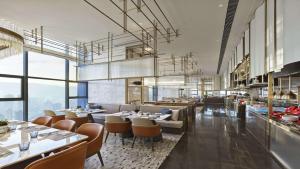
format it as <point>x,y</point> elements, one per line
<point>151,116</point>
<point>47,140</point>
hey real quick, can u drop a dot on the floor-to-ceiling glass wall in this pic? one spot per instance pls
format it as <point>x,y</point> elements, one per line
<point>46,83</point>
<point>11,98</point>
<point>49,79</point>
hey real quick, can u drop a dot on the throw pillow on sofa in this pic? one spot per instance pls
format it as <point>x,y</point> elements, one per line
<point>165,111</point>
<point>175,115</point>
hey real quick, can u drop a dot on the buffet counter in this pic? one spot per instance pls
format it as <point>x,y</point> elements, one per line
<point>280,138</point>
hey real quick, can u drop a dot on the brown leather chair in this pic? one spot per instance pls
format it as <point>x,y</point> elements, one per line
<point>57,118</point>
<point>44,120</point>
<point>71,158</point>
<point>68,125</point>
<point>115,124</point>
<point>78,121</point>
<point>95,133</point>
<point>146,129</point>
<point>49,113</point>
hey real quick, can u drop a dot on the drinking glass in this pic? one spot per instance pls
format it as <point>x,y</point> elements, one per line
<point>23,146</point>
<point>12,126</point>
<point>34,134</point>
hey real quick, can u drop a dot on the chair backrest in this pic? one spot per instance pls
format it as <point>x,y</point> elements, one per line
<point>113,119</point>
<point>49,113</point>
<point>142,122</point>
<point>145,128</point>
<point>44,120</point>
<point>70,114</point>
<point>79,120</point>
<point>95,133</point>
<point>57,118</point>
<point>68,125</point>
<point>115,124</point>
<point>71,158</point>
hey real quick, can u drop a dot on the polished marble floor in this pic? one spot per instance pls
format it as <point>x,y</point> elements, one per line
<point>217,141</point>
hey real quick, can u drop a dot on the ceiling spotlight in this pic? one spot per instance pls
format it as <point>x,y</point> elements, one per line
<point>220,5</point>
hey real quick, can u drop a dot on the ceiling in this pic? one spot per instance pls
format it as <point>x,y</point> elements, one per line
<point>200,23</point>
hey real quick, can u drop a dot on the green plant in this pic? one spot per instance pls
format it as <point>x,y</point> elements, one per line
<point>3,122</point>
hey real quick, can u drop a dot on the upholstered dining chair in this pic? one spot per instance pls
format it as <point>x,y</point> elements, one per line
<point>44,120</point>
<point>95,132</point>
<point>49,113</point>
<point>115,124</point>
<point>78,120</point>
<point>71,158</point>
<point>55,118</point>
<point>68,125</point>
<point>70,114</point>
<point>145,128</point>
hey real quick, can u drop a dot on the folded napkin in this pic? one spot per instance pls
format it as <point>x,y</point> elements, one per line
<point>5,152</point>
<point>29,129</point>
<point>57,135</point>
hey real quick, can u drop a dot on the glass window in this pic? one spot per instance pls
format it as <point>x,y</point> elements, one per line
<point>10,87</point>
<point>80,102</point>
<point>45,94</point>
<point>72,70</point>
<point>77,89</point>
<point>11,110</point>
<point>12,64</point>
<point>40,65</point>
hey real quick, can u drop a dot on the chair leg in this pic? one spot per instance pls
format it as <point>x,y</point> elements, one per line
<point>133,142</point>
<point>100,158</point>
<point>122,140</point>
<point>106,137</point>
<point>152,143</point>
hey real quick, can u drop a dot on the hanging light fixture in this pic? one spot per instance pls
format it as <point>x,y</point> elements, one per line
<point>11,39</point>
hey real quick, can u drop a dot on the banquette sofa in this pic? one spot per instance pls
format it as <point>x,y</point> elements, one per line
<point>177,123</point>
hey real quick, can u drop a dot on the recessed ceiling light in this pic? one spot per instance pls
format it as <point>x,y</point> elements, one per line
<point>220,5</point>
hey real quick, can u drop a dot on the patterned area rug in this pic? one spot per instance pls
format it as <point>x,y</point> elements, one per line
<point>117,156</point>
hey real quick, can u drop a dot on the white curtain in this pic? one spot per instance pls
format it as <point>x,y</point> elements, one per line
<point>133,68</point>
<point>118,69</point>
<point>288,13</point>
<point>271,58</point>
<point>240,52</point>
<point>247,42</point>
<point>257,43</point>
<point>93,72</point>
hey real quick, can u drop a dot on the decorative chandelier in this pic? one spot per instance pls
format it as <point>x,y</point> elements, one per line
<point>11,39</point>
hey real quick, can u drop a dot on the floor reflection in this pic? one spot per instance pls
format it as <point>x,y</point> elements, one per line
<point>217,140</point>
